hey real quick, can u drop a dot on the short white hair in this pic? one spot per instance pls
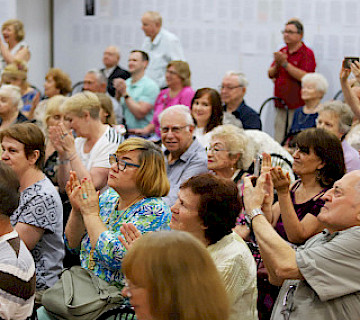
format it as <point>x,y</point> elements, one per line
<point>100,77</point>
<point>14,93</point>
<point>243,82</point>
<point>181,109</point>
<point>320,81</point>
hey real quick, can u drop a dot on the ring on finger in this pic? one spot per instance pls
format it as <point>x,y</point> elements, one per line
<point>84,195</point>
<point>63,136</point>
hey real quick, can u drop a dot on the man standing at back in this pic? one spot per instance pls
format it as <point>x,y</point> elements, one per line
<point>137,94</point>
<point>112,69</point>
<point>290,64</point>
<point>161,45</point>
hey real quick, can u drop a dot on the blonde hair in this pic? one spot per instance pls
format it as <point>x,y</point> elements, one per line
<point>53,105</point>
<point>17,69</point>
<point>180,276</point>
<point>236,143</point>
<point>18,26</point>
<point>83,101</point>
<point>151,178</point>
<point>183,70</point>
<point>107,106</point>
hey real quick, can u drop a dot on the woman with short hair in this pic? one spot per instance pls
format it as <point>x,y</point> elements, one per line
<point>337,117</point>
<point>88,153</point>
<point>15,48</point>
<point>10,105</point>
<point>38,219</point>
<point>178,92</point>
<point>170,275</point>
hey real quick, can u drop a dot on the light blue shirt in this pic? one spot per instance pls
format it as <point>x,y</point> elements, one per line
<point>166,47</point>
<point>145,90</point>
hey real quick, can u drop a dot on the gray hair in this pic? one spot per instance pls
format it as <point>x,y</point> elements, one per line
<point>183,110</point>
<point>320,81</point>
<point>100,77</point>
<point>243,82</point>
<point>342,111</point>
<point>14,93</point>
<point>236,142</point>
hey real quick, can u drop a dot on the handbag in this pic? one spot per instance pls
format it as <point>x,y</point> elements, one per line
<point>79,294</point>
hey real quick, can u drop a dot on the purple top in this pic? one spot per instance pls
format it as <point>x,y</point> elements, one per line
<point>164,101</point>
<point>311,206</point>
<point>351,157</point>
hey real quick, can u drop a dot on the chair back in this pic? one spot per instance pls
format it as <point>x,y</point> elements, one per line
<point>77,87</point>
<point>267,114</point>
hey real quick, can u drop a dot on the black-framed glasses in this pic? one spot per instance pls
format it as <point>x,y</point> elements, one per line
<point>229,87</point>
<point>174,129</point>
<point>121,164</point>
<point>288,302</point>
<point>289,32</point>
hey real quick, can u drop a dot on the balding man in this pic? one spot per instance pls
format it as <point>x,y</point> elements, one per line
<point>112,70</point>
<point>320,280</point>
<point>161,45</point>
<point>96,82</point>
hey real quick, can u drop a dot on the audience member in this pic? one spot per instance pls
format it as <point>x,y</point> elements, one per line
<point>319,278</point>
<point>183,290</point>
<point>137,180</point>
<point>112,70</point>
<point>184,155</point>
<point>88,154</point>
<point>38,218</point>
<point>161,45</point>
<point>138,93</point>
<point>57,82</point>
<point>290,64</point>
<point>207,112</point>
<point>96,82</point>
<point>233,89</point>
<point>199,210</point>
<point>313,87</point>
<point>15,47</point>
<point>17,268</point>
<point>337,117</point>
<point>15,73</point>
<point>178,92</point>
<point>10,104</point>
<point>350,97</point>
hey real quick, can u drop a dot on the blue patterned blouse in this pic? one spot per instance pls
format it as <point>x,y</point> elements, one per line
<point>149,214</point>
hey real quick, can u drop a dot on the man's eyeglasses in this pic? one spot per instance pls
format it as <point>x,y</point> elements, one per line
<point>172,129</point>
<point>228,87</point>
<point>121,164</point>
<point>288,302</point>
<point>289,32</point>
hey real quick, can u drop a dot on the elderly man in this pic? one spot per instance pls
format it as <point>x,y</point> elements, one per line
<point>96,82</point>
<point>319,279</point>
<point>162,46</point>
<point>17,268</point>
<point>290,64</point>
<point>184,155</point>
<point>112,70</point>
<point>138,93</point>
<point>233,89</point>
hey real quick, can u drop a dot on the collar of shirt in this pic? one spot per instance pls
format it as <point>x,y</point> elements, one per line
<point>109,71</point>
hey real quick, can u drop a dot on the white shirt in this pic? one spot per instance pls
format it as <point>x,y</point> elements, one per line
<point>166,47</point>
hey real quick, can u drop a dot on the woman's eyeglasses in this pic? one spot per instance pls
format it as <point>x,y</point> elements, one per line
<point>121,164</point>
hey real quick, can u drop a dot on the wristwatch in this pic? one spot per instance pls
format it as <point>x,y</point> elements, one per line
<point>126,96</point>
<point>255,212</point>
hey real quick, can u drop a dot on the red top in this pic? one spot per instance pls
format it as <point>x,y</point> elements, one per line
<point>287,87</point>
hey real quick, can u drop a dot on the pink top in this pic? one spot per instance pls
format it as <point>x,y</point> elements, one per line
<point>164,101</point>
